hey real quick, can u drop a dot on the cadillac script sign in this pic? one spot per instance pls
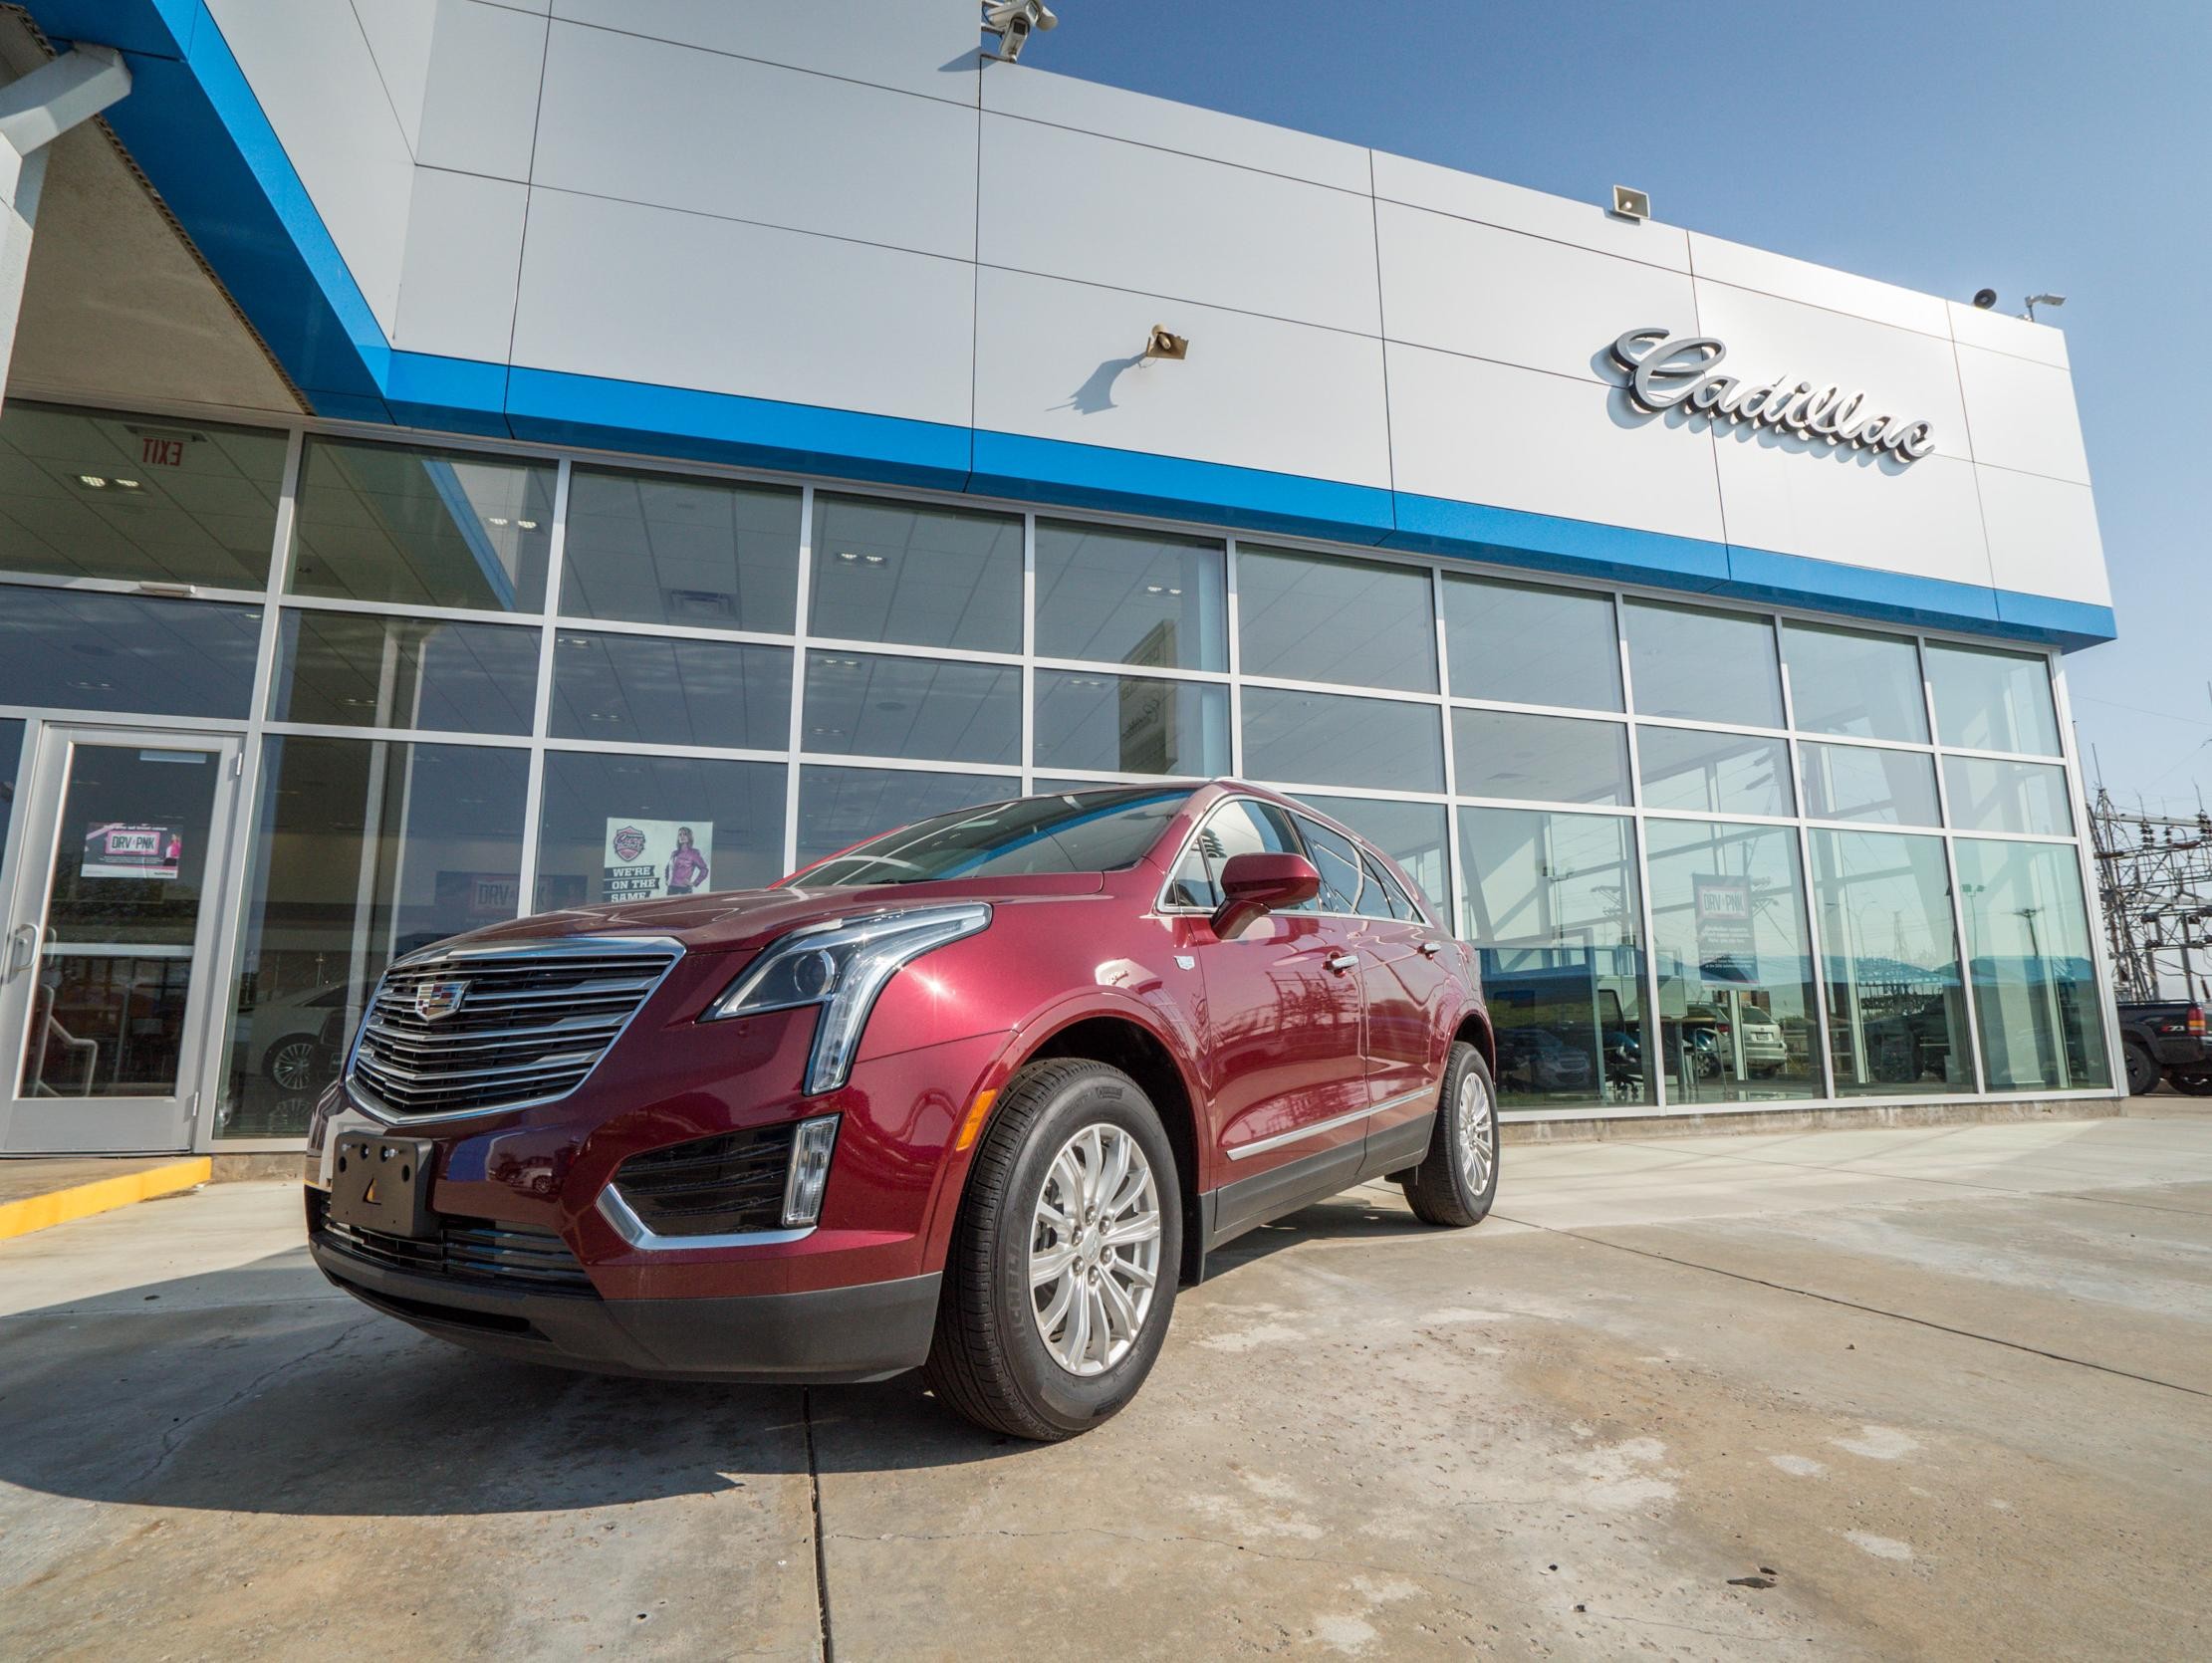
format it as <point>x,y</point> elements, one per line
<point>1682,372</point>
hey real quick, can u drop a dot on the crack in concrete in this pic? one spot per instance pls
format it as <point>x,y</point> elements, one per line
<point>174,1438</point>
<point>1855,1305</point>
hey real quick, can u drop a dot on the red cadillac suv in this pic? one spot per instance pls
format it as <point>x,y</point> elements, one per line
<point>975,1096</point>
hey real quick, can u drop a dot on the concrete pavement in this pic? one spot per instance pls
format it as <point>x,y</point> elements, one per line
<point>1937,1393</point>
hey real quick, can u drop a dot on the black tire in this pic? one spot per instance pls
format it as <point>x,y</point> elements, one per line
<point>2143,1073</point>
<point>1440,1190</point>
<point>988,1360</point>
<point>2195,1082</point>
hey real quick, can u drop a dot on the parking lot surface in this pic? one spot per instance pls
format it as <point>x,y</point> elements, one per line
<point>1942,1393</point>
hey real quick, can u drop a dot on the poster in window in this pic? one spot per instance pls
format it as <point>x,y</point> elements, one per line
<point>1726,951</point>
<point>147,848</point>
<point>646,859</point>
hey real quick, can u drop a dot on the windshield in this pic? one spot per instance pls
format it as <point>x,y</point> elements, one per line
<point>1078,831</point>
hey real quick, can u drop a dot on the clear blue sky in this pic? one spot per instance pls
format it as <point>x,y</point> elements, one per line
<point>1943,145</point>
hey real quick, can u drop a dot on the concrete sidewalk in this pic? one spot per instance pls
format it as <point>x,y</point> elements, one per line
<point>1841,1394</point>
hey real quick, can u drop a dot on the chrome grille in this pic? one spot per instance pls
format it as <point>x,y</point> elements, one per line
<point>533,1021</point>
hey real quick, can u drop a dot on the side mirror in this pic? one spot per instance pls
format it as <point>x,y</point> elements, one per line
<point>1253,886</point>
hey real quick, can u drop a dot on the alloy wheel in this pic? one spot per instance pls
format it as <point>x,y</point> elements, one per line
<point>292,1065</point>
<point>1095,1248</point>
<point>1478,1132</point>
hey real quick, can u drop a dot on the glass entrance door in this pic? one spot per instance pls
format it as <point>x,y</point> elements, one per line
<point>111,933</point>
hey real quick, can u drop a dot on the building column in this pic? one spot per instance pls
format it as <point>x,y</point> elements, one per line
<point>34,112</point>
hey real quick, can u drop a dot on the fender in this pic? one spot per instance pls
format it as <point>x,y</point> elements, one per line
<point>1028,1036</point>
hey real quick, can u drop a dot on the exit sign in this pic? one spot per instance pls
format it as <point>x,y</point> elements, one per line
<point>161,450</point>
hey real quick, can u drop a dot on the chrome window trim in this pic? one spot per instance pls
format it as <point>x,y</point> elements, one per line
<point>634,1230</point>
<point>548,947</point>
<point>1245,1151</point>
<point>1167,910</point>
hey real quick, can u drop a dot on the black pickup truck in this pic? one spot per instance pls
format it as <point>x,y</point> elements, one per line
<point>2166,1042</point>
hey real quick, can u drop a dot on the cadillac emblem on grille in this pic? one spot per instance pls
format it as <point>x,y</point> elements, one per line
<point>433,1000</point>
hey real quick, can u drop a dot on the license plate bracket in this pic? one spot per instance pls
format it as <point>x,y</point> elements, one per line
<point>383,1183</point>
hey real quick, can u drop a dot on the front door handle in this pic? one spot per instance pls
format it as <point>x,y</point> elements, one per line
<point>1342,962</point>
<point>23,947</point>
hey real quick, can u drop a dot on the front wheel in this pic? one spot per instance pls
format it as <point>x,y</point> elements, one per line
<point>1060,1277</point>
<point>1455,1185</point>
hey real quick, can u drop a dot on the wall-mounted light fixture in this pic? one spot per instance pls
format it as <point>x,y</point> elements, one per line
<point>1632,204</point>
<point>1163,344</point>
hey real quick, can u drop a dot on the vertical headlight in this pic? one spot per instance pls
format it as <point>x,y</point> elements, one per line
<point>841,966</point>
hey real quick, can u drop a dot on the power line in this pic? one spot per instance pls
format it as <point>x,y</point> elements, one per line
<point>2154,875</point>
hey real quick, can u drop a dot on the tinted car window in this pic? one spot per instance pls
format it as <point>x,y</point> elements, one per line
<point>1337,858</point>
<point>1081,831</point>
<point>1239,827</point>
<point>1375,900</point>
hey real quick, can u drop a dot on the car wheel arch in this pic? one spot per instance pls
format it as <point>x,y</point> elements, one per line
<point>1474,1028</point>
<point>1126,1038</point>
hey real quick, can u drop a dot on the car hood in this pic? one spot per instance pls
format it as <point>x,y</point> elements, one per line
<point>744,918</point>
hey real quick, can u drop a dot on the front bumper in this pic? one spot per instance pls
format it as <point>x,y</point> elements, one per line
<point>866,1331</point>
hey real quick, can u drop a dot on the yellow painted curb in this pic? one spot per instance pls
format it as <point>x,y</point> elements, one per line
<point>102,1195</point>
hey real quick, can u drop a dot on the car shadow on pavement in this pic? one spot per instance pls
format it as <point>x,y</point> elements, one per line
<point>260,1388</point>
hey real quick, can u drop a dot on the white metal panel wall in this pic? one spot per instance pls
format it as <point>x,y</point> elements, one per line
<point>833,205</point>
<point>308,64</point>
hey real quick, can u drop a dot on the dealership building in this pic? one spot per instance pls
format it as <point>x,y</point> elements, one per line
<point>461,459</point>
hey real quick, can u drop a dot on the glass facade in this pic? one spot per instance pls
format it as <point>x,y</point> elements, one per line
<point>1709,857</point>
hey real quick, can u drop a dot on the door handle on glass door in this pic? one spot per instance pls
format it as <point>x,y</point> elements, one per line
<point>23,947</point>
<point>1341,962</point>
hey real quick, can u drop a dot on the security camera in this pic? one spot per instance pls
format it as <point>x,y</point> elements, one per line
<point>1013,20</point>
<point>1984,298</point>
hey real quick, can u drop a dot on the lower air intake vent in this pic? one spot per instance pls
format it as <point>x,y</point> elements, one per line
<point>482,1252</point>
<point>711,1186</point>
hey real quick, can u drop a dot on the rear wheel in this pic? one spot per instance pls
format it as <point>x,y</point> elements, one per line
<point>2143,1070</point>
<point>2197,1082</point>
<point>1061,1279</point>
<point>1455,1185</point>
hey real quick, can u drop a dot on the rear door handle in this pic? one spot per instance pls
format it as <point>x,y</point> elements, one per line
<point>1430,949</point>
<point>1342,962</point>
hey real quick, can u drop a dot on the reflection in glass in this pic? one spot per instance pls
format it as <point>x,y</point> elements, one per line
<point>730,694</point>
<point>348,669</point>
<point>1126,724</point>
<point>364,850</point>
<point>1130,597</point>
<point>1324,617</point>
<point>1241,826</point>
<point>11,755</point>
<point>1736,1002</point>
<point>1550,900</point>
<point>866,704</point>
<point>1714,773</point>
<point>1331,739</point>
<point>2032,972</point>
<point>129,871</point>
<point>1987,700</point>
<point>1990,796</point>
<point>1519,645</point>
<point>840,806</point>
<point>1858,782</point>
<point>1543,759</point>
<point>1411,834</point>
<point>79,649</point>
<point>1703,667</point>
<point>928,577</point>
<point>1864,686</point>
<point>649,548</point>
<point>421,528</point>
<point>140,498</point>
<point>626,828</point>
<point>1896,1002</point>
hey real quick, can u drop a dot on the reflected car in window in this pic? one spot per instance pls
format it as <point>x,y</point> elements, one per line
<point>975,1096</point>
